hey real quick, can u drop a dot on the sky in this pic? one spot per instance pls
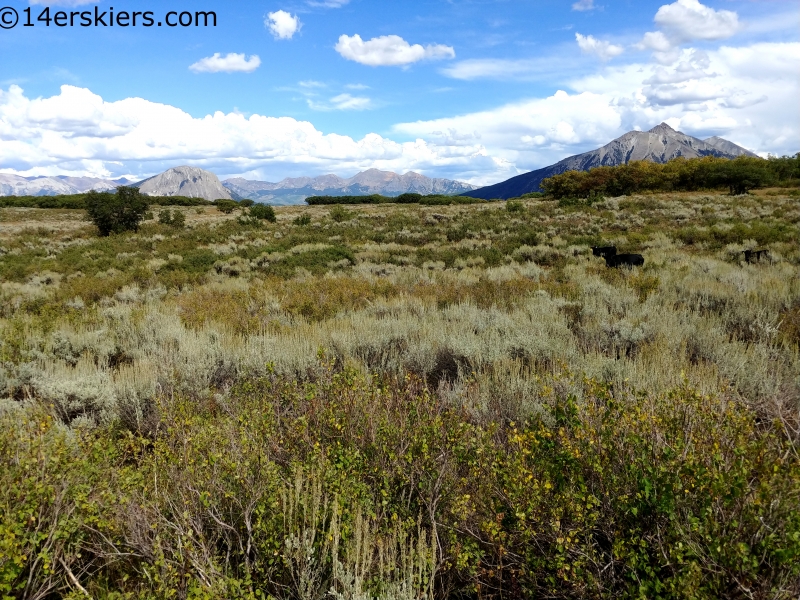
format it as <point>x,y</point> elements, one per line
<point>473,90</point>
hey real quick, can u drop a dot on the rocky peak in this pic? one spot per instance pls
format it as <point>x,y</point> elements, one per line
<point>192,182</point>
<point>663,128</point>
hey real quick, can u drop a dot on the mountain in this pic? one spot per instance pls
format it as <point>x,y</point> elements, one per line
<point>660,144</point>
<point>185,181</point>
<point>14,185</point>
<point>372,181</point>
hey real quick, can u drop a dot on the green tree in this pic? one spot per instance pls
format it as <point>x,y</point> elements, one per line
<point>116,212</point>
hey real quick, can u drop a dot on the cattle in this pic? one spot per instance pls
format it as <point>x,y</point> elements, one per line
<point>626,260</point>
<point>604,251</point>
<point>752,256</point>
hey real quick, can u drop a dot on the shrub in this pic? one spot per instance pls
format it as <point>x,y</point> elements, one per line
<point>246,203</point>
<point>340,215</point>
<point>165,217</point>
<point>178,219</point>
<point>226,206</point>
<point>263,212</point>
<point>513,206</point>
<point>115,213</point>
<point>303,220</point>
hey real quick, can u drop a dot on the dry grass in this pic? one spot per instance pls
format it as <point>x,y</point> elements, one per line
<point>456,294</point>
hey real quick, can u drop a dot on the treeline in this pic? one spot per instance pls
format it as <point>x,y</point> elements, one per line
<point>738,176</point>
<point>78,201</point>
<point>409,198</point>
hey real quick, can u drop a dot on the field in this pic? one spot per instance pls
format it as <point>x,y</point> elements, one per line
<point>404,401</point>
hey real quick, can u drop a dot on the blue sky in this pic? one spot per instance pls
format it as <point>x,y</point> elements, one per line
<point>478,90</point>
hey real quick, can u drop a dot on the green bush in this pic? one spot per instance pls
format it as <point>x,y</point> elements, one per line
<point>226,206</point>
<point>115,213</point>
<point>513,206</point>
<point>165,217</point>
<point>303,220</point>
<point>340,215</point>
<point>246,203</point>
<point>263,212</point>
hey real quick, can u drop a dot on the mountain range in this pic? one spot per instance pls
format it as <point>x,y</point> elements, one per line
<point>14,185</point>
<point>372,181</point>
<point>661,144</point>
<point>199,183</point>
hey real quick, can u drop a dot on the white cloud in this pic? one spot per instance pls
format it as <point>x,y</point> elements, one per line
<point>602,49</point>
<point>655,40</point>
<point>282,24</point>
<point>704,93</point>
<point>342,102</point>
<point>389,50</point>
<point>687,20</point>
<point>523,69</point>
<point>230,63</point>
<point>582,5</point>
<point>77,132</point>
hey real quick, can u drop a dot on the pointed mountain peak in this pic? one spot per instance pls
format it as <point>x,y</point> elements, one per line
<point>663,128</point>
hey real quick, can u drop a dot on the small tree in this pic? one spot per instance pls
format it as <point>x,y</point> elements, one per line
<point>116,212</point>
<point>246,203</point>
<point>263,211</point>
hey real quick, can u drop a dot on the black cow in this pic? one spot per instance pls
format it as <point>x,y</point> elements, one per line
<point>604,251</point>
<point>626,260</point>
<point>752,256</point>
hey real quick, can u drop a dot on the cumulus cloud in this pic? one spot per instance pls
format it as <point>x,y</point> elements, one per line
<point>282,24</point>
<point>230,63</point>
<point>389,50</point>
<point>687,20</point>
<point>602,49</point>
<point>78,132</point>
<point>582,5</point>
<point>703,93</point>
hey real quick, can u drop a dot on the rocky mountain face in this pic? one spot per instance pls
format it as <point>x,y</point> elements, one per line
<point>372,181</point>
<point>660,144</point>
<point>185,181</point>
<point>14,185</point>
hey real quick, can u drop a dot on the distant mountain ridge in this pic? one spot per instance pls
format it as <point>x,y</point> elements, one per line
<point>194,182</point>
<point>372,181</point>
<point>661,144</point>
<point>14,185</point>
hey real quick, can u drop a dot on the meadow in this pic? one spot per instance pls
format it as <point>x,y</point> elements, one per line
<point>404,401</point>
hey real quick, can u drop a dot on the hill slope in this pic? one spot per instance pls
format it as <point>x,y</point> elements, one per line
<point>660,144</point>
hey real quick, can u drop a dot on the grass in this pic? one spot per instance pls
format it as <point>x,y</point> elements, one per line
<point>404,401</point>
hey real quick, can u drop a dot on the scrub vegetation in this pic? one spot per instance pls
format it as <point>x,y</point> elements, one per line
<point>403,401</point>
